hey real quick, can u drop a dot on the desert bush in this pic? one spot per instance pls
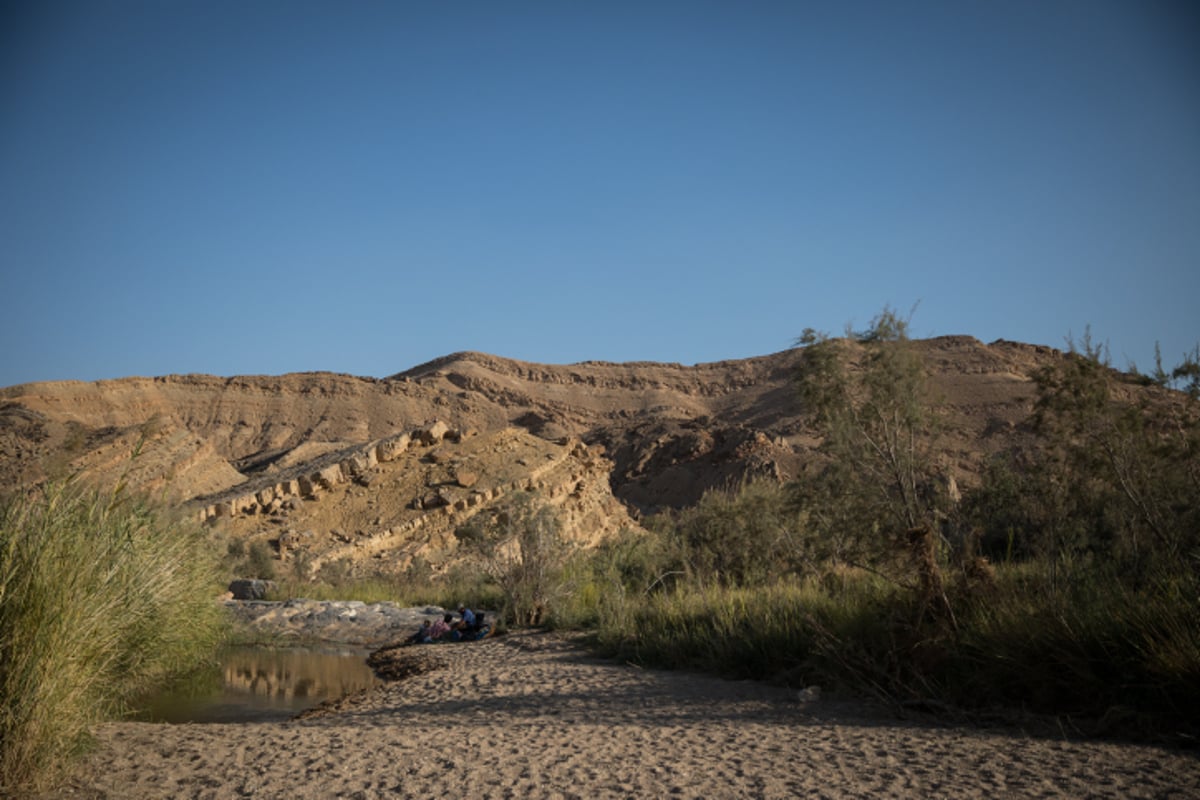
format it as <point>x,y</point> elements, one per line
<point>242,559</point>
<point>632,564</point>
<point>368,590</point>
<point>522,548</point>
<point>1086,609</point>
<point>1099,650</point>
<point>101,597</point>
<point>235,552</point>
<point>1004,510</point>
<point>463,584</point>
<point>338,572</point>
<point>336,580</point>
<point>747,535</point>
<point>260,561</point>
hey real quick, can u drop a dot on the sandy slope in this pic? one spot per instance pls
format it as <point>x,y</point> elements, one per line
<point>533,716</point>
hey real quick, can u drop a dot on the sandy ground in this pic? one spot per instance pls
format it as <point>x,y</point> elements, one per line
<point>534,716</point>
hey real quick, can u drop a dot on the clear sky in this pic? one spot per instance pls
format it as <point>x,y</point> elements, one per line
<point>260,186</point>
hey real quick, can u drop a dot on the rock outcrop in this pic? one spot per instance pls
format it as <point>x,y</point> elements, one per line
<point>351,622</point>
<point>384,515</point>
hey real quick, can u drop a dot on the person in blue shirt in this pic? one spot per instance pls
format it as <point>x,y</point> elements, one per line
<point>470,626</point>
<point>466,623</point>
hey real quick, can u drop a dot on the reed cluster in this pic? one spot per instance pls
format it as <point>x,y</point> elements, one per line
<point>102,596</point>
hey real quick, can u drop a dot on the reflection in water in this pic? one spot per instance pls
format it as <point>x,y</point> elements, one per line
<point>262,684</point>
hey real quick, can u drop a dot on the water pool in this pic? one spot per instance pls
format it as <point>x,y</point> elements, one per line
<point>262,684</point>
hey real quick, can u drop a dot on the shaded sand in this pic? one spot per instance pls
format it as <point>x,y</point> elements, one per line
<point>533,716</point>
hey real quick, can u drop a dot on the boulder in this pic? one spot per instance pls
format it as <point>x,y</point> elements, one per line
<point>331,476</point>
<point>433,434</point>
<point>358,464</point>
<point>431,500</point>
<point>250,588</point>
<point>307,485</point>
<point>390,449</point>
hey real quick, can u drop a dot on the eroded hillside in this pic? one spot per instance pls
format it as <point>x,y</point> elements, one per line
<point>649,435</point>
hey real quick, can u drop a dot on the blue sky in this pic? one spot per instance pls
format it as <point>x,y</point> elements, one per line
<point>266,187</point>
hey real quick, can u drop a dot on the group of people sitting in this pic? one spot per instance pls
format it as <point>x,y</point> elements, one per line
<point>468,627</point>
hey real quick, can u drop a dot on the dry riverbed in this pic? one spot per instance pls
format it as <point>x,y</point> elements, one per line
<point>532,715</point>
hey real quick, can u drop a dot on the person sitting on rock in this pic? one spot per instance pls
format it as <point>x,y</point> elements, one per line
<point>440,627</point>
<point>466,620</point>
<point>465,627</point>
<point>422,634</point>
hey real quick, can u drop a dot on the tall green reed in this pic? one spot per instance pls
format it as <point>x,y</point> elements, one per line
<point>771,631</point>
<point>1107,657</point>
<point>1117,657</point>
<point>101,597</point>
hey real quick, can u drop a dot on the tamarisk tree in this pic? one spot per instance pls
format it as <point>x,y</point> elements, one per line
<point>522,547</point>
<point>879,492</point>
<point>1121,467</point>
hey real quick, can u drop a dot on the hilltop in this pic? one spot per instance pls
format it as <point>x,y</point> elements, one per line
<point>378,471</point>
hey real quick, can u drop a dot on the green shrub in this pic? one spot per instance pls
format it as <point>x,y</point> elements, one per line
<point>1120,474</point>
<point>868,398</point>
<point>522,549</point>
<point>629,565</point>
<point>101,597</point>
<point>261,561</point>
<point>783,631</point>
<point>335,581</point>
<point>748,535</point>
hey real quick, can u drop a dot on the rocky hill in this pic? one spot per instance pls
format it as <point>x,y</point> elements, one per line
<point>379,471</point>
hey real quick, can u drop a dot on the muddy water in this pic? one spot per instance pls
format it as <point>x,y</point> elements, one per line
<point>258,684</point>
